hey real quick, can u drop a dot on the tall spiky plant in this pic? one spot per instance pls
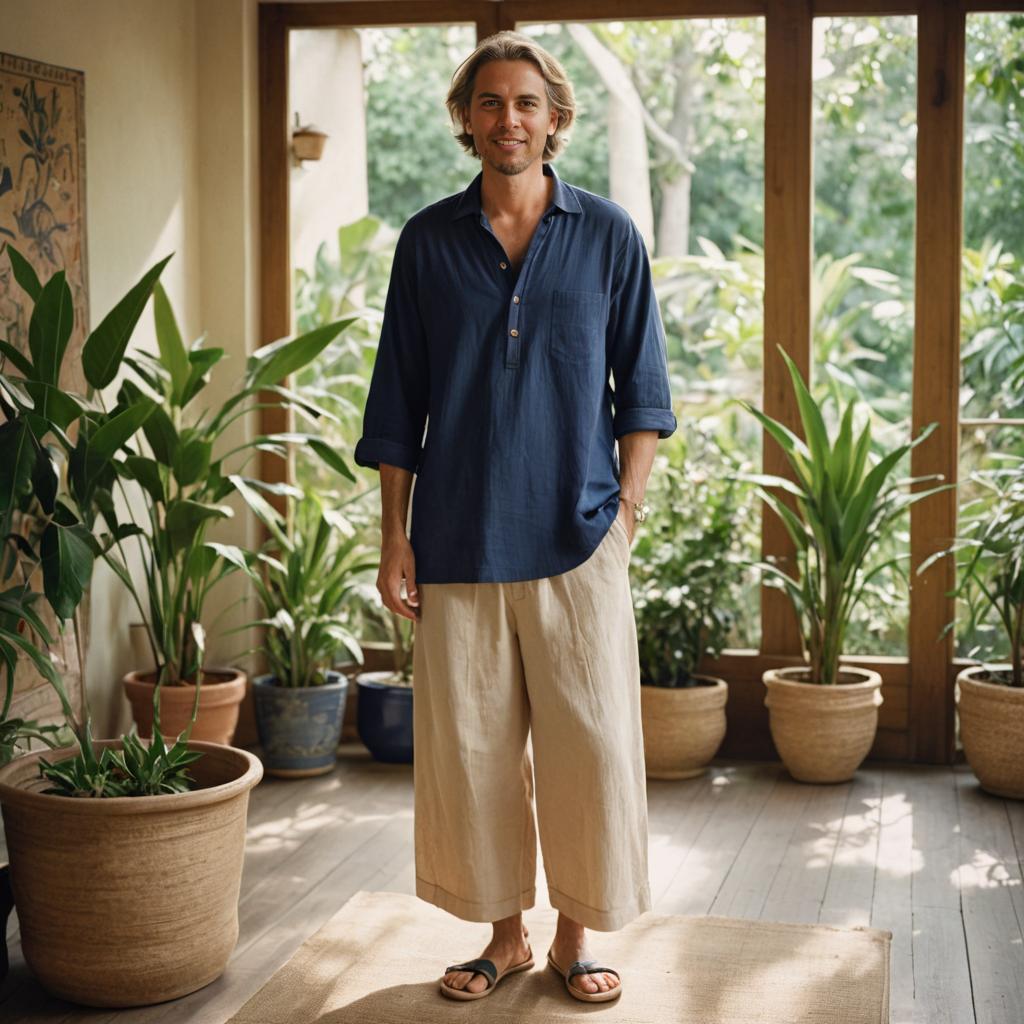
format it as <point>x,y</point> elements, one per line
<point>845,505</point>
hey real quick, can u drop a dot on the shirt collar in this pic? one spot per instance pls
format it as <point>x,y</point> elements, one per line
<point>562,198</point>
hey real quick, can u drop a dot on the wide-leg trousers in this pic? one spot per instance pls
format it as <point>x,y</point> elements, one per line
<point>554,659</point>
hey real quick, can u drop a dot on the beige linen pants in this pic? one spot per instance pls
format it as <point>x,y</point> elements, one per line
<point>555,658</point>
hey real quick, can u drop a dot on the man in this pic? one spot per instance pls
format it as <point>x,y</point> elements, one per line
<point>510,305</point>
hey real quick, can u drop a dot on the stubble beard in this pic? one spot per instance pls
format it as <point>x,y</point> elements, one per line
<point>512,166</point>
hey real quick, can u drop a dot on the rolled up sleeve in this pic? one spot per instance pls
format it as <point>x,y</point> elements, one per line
<point>636,346</point>
<point>398,398</point>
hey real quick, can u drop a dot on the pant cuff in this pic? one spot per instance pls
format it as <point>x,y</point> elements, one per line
<point>601,920</point>
<point>470,910</point>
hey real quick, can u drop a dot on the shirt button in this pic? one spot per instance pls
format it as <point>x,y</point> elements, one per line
<point>503,265</point>
<point>514,333</point>
<point>515,299</point>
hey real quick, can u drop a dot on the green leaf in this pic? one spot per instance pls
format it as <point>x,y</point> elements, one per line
<point>273,363</point>
<point>24,274</point>
<point>105,347</point>
<point>333,459</point>
<point>49,330</point>
<point>112,435</point>
<point>266,513</point>
<point>67,558</point>
<point>21,362</point>
<point>161,435</point>
<point>185,517</point>
<point>17,462</point>
<point>145,472</point>
<point>172,348</point>
<point>191,461</point>
<point>200,361</point>
<point>52,407</point>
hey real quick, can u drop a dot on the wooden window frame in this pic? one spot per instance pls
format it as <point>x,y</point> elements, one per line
<point>916,719</point>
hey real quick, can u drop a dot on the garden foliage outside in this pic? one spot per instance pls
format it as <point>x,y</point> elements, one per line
<point>698,87</point>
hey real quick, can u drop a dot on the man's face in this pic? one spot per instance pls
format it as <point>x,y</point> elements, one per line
<point>509,117</point>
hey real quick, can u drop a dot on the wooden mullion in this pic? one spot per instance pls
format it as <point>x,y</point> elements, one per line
<point>863,8</point>
<point>939,231</point>
<point>788,188</point>
<point>275,228</point>
<point>526,11</point>
<point>367,13</point>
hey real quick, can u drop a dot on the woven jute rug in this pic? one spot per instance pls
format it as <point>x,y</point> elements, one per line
<point>378,959</point>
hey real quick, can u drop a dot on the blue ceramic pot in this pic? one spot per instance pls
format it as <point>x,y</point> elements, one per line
<point>385,717</point>
<point>299,726</point>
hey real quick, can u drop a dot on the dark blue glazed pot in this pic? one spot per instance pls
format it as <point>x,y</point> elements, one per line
<point>299,726</point>
<point>385,717</point>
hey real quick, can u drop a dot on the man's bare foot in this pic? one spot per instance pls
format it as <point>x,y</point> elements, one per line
<point>570,945</point>
<point>507,948</point>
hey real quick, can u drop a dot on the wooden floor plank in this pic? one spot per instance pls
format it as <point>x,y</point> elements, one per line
<point>798,889</point>
<point>745,888</point>
<point>989,877</point>
<point>891,908</point>
<point>738,797</point>
<point>942,982</point>
<point>851,879</point>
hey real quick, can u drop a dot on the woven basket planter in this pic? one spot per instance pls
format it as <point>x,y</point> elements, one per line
<point>128,901</point>
<point>219,699</point>
<point>822,733</point>
<point>683,727</point>
<point>992,732</point>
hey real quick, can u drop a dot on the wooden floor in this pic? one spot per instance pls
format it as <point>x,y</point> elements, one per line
<point>919,850</point>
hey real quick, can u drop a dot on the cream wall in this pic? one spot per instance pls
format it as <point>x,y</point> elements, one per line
<point>326,89</point>
<point>170,108</point>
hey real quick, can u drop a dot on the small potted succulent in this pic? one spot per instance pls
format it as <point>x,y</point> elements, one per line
<point>128,840</point>
<point>183,477</point>
<point>385,698</point>
<point>303,578</point>
<point>686,574</point>
<point>990,562</point>
<point>823,716</point>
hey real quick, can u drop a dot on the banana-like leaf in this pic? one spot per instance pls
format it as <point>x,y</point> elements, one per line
<point>105,346</point>
<point>49,329</point>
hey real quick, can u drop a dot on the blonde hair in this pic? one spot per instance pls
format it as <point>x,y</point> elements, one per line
<point>509,45</point>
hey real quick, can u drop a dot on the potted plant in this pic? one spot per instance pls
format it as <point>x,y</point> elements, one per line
<point>686,575</point>
<point>990,697</point>
<point>302,578</point>
<point>99,818</point>
<point>823,717</point>
<point>385,698</point>
<point>183,481</point>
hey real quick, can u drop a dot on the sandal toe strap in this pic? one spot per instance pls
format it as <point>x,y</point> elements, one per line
<point>480,966</point>
<point>588,967</point>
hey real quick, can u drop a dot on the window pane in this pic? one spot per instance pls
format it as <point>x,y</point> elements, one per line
<point>670,126</point>
<point>865,82</point>
<point>379,94</point>
<point>992,284</point>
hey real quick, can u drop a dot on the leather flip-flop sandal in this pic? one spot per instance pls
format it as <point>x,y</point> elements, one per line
<point>587,967</point>
<point>488,970</point>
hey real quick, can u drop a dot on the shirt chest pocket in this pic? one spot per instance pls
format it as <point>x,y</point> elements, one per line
<point>577,326</point>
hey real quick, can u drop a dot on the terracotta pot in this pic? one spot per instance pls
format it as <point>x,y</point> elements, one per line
<point>822,733</point>
<point>219,697</point>
<point>992,732</point>
<point>128,901</point>
<point>683,727</point>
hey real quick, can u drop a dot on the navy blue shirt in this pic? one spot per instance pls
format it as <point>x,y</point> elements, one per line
<point>517,475</point>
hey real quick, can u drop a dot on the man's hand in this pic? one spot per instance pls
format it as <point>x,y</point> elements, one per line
<point>398,563</point>
<point>625,516</point>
